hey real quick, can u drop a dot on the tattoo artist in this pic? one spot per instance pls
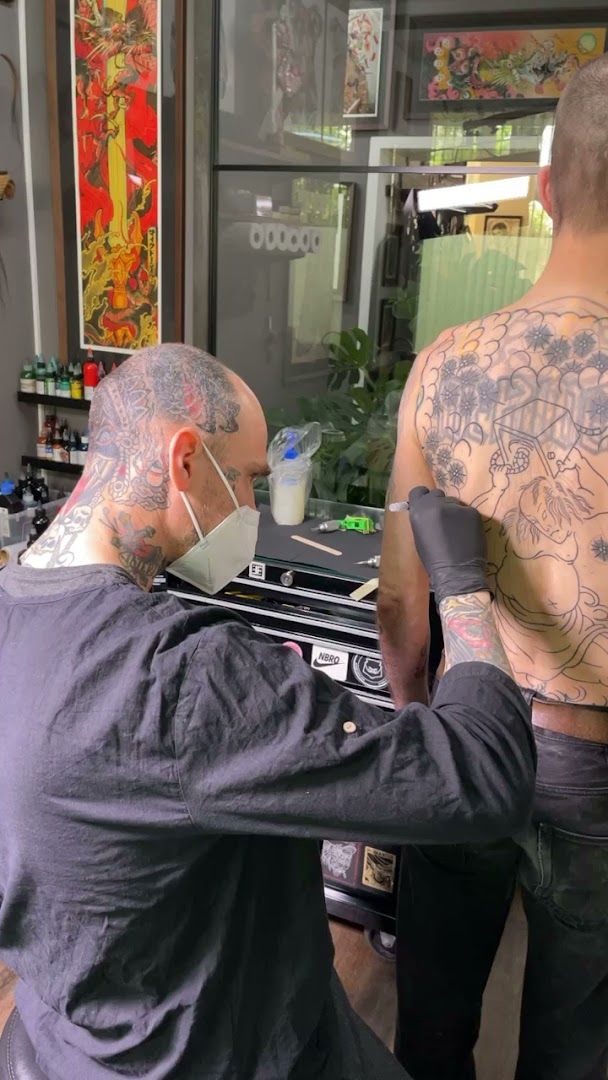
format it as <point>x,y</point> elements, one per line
<point>167,772</point>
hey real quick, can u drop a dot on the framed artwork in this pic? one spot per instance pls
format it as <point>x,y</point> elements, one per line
<point>307,61</point>
<point>526,64</point>
<point>117,93</point>
<point>116,87</point>
<point>369,64</point>
<point>498,225</point>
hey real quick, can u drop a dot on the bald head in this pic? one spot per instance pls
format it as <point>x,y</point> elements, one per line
<point>176,439</point>
<point>579,166</point>
<point>148,396</point>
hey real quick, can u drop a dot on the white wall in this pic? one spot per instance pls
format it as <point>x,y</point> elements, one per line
<point>16,323</point>
<point>28,316</point>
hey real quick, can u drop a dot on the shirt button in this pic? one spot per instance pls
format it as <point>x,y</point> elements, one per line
<point>349,727</point>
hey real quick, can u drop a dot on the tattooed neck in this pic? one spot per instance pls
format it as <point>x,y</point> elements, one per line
<point>82,535</point>
<point>470,633</point>
<point>141,558</point>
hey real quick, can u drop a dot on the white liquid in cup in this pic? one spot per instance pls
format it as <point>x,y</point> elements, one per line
<point>288,497</point>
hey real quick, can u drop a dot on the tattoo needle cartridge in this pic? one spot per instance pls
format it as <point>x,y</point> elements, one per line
<point>374,562</point>
<point>328,526</point>
<point>397,507</point>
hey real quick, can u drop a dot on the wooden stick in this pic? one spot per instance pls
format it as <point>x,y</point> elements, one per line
<point>366,589</point>
<point>313,543</point>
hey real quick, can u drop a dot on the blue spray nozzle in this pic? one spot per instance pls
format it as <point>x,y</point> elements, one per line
<point>290,454</point>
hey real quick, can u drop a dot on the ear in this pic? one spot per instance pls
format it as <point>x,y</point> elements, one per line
<point>184,451</point>
<point>545,193</point>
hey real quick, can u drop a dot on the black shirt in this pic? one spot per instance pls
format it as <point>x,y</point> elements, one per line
<point>165,775</point>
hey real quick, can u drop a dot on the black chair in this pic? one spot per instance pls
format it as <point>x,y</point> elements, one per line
<point>17,1055</point>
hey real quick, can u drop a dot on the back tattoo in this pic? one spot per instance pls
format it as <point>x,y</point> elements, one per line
<point>512,416</point>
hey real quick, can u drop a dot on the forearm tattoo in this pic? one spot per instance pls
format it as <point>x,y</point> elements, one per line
<point>470,633</point>
<point>512,417</point>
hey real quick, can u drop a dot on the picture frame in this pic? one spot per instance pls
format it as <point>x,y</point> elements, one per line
<point>369,64</point>
<point>420,105</point>
<point>307,61</point>
<point>76,173</point>
<point>521,64</point>
<point>497,225</point>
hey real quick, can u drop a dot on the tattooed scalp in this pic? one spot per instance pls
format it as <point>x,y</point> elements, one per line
<point>130,422</point>
<point>165,384</point>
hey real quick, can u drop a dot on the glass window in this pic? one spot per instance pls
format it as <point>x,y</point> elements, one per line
<point>374,182</point>
<point>310,81</point>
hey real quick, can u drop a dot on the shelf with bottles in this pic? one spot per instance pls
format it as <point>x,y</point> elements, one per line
<point>27,507</point>
<point>56,402</point>
<point>51,466</point>
<point>57,444</point>
<point>71,384</point>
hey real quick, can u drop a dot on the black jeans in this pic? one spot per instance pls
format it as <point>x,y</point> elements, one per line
<point>453,905</point>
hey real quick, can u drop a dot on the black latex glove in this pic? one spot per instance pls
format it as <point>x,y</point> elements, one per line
<point>450,542</point>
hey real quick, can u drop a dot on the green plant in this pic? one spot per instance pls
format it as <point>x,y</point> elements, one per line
<point>358,416</point>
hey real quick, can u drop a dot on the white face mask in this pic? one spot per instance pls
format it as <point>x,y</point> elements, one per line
<point>222,555</point>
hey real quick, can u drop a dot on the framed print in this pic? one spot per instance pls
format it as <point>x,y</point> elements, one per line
<point>498,225</point>
<point>307,59</point>
<point>117,159</point>
<point>369,64</point>
<point>117,166</point>
<point>525,64</point>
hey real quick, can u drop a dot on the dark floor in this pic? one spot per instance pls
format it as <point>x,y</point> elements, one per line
<point>369,982</point>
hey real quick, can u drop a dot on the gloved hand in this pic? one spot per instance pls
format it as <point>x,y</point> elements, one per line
<point>450,542</point>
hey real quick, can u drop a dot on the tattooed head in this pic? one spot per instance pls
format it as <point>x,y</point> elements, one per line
<point>579,169</point>
<point>165,384</point>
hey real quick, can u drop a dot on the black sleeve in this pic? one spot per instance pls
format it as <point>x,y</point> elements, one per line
<point>266,745</point>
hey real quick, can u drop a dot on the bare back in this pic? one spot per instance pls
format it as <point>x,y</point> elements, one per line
<point>512,416</point>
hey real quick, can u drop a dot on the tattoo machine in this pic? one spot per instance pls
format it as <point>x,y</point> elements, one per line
<point>350,523</point>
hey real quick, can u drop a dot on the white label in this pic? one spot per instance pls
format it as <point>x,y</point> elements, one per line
<point>331,661</point>
<point>257,570</point>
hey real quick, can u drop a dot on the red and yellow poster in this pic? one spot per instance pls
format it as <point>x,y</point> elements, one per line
<point>117,154</point>
<point>474,65</point>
